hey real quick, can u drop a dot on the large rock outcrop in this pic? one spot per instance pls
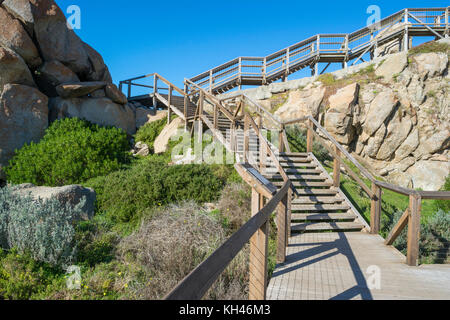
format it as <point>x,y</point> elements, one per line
<point>23,118</point>
<point>71,195</point>
<point>394,116</point>
<point>42,58</point>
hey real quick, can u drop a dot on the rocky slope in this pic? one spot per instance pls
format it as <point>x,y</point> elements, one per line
<point>392,113</point>
<point>47,72</point>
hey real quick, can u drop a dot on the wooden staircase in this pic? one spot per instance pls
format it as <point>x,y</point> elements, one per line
<point>318,205</point>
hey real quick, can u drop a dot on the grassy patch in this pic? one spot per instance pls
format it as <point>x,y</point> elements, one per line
<point>149,132</point>
<point>429,47</point>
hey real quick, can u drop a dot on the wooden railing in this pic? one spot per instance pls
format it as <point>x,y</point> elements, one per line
<point>255,231</point>
<point>410,218</point>
<point>348,46</point>
<point>159,83</point>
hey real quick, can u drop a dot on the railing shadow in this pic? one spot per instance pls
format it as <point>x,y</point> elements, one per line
<point>311,256</point>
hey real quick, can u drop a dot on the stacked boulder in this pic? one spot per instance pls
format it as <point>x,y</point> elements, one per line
<point>46,73</point>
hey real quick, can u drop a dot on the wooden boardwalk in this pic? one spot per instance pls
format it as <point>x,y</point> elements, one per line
<point>334,266</point>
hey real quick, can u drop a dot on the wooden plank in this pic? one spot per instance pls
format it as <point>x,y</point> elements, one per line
<point>299,177</point>
<point>337,168</point>
<point>415,206</point>
<point>282,218</point>
<point>305,184</point>
<point>326,226</point>
<point>266,189</point>
<point>310,137</point>
<point>316,192</point>
<point>258,253</point>
<point>197,283</point>
<point>319,207</point>
<point>375,210</point>
<point>322,217</point>
<point>317,199</point>
<point>395,232</point>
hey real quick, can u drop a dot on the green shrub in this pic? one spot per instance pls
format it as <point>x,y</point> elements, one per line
<point>124,194</point>
<point>434,236</point>
<point>149,132</point>
<point>72,151</point>
<point>21,277</point>
<point>44,229</point>
<point>297,142</point>
<point>444,205</point>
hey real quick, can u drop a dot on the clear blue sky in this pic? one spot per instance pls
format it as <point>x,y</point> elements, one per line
<point>181,39</point>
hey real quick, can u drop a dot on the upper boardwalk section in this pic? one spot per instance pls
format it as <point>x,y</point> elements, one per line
<point>326,48</point>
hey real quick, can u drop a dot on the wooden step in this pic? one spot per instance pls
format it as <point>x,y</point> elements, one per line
<point>297,177</point>
<point>317,199</point>
<point>316,192</point>
<point>319,207</point>
<point>326,226</point>
<point>306,184</point>
<point>273,170</point>
<point>322,216</point>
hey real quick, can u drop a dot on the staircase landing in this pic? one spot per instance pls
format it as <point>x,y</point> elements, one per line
<point>334,266</point>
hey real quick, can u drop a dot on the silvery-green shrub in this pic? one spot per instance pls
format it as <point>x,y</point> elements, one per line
<point>44,229</point>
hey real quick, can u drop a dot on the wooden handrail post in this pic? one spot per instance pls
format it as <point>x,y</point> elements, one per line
<point>337,168</point>
<point>282,219</point>
<point>375,210</point>
<point>246,137</point>
<point>129,89</point>
<point>415,204</point>
<point>310,137</point>
<point>169,100</point>
<point>289,217</point>
<point>259,244</point>
<point>281,147</point>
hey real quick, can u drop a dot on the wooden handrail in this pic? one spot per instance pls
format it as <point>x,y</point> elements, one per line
<point>198,282</point>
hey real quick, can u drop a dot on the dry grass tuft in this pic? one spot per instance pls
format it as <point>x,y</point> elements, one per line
<point>170,245</point>
<point>235,205</point>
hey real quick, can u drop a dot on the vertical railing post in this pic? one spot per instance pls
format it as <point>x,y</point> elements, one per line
<point>309,137</point>
<point>337,168</point>
<point>185,106</point>
<point>155,90</point>
<point>169,100</point>
<point>281,146</point>
<point>406,36</point>
<point>265,71</point>
<point>120,86</point>
<point>375,210</point>
<point>415,204</point>
<point>446,23</point>
<point>346,52</point>
<point>210,81</point>
<point>282,218</point>
<point>262,149</point>
<point>288,61</point>
<point>129,89</point>
<point>246,137</point>
<point>258,254</point>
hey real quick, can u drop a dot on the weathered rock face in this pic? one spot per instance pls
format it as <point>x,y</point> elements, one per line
<point>23,118</point>
<point>56,40</point>
<point>51,75</point>
<point>302,103</point>
<point>41,57</point>
<point>71,195</point>
<point>13,69</point>
<point>162,141</point>
<point>78,89</point>
<point>101,111</point>
<point>13,36</point>
<point>398,122</point>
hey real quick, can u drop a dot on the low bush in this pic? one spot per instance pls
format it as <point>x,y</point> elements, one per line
<point>44,229</point>
<point>444,205</point>
<point>149,132</point>
<point>72,151</point>
<point>125,194</point>
<point>235,205</point>
<point>21,277</point>
<point>434,237</point>
<point>297,141</point>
